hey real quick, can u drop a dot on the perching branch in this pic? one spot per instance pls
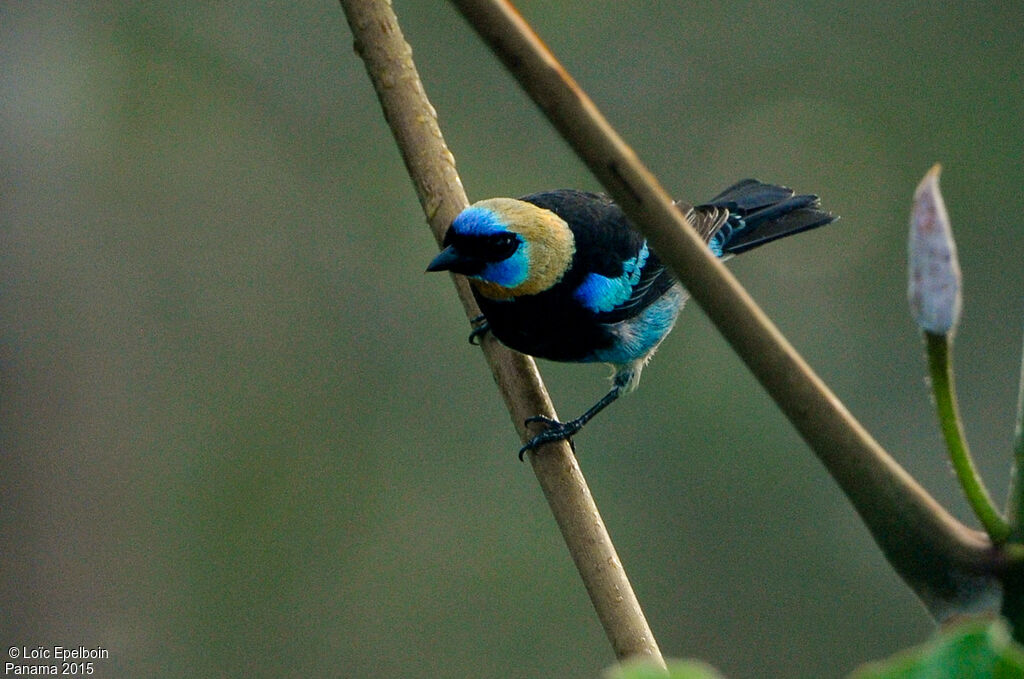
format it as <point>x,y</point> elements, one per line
<point>388,60</point>
<point>948,565</point>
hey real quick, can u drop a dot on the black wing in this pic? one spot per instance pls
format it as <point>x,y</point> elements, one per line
<point>605,240</point>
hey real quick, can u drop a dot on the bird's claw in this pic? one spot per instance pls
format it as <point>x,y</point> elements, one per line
<point>480,328</point>
<point>555,431</point>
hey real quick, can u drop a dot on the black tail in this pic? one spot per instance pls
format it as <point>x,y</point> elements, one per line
<point>760,213</point>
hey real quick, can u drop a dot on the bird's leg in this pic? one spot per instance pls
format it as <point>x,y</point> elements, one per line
<point>480,328</point>
<point>560,431</point>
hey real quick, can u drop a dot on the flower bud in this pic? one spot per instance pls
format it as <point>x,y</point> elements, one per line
<point>934,271</point>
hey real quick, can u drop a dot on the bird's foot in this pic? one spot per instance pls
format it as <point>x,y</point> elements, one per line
<point>480,328</point>
<point>555,431</point>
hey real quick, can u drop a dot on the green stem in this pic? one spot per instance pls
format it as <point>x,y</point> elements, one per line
<point>1015,501</point>
<point>941,369</point>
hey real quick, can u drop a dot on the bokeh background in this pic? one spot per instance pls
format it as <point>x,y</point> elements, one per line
<point>242,431</point>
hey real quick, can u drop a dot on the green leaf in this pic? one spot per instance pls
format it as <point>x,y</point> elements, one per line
<point>975,649</point>
<point>677,669</point>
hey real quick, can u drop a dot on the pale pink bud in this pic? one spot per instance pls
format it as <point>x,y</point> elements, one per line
<point>934,281</point>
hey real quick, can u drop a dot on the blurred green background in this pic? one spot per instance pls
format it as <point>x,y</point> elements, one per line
<point>242,431</point>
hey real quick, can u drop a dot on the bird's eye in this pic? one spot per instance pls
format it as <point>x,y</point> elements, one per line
<point>503,245</point>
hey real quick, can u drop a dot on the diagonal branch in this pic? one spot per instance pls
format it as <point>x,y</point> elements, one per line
<point>388,60</point>
<point>948,565</point>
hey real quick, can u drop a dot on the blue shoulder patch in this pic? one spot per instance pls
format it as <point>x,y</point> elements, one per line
<point>602,293</point>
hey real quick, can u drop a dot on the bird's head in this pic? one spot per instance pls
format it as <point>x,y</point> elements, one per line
<point>507,248</point>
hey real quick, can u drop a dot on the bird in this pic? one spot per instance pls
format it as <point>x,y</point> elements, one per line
<point>563,275</point>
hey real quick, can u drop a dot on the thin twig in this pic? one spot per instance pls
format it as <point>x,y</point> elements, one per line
<point>939,349</point>
<point>935,298</point>
<point>413,122</point>
<point>1015,496</point>
<point>945,563</point>
<point>1013,587</point>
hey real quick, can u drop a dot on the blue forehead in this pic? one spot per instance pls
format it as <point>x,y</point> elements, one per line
<point>478,221</point>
